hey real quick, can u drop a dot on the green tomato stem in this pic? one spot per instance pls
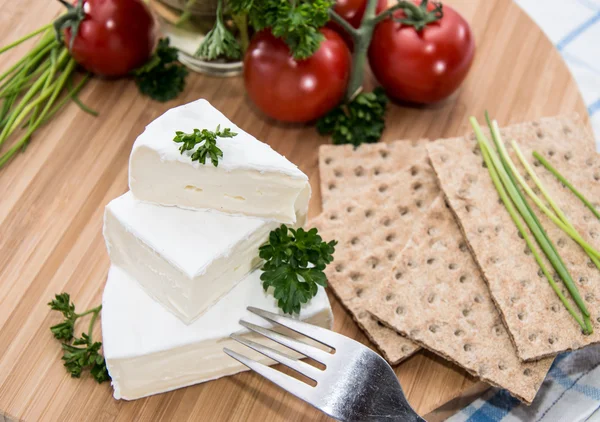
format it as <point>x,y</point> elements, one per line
<point>343,23</point>
<point>565,182</point>
<point>362,38</point>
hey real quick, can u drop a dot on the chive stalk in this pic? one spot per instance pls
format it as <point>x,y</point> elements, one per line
<point>536,227</point>
<point>565,182</point>
<point>531,221</point>
<point>516,219</point>
<point>31,89</point>
<point>512,169</point>
<point>559,212</point>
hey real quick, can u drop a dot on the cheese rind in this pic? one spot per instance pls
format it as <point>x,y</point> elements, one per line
<point>149,351</point>
<point>186,260</point>
<point>251,178</point>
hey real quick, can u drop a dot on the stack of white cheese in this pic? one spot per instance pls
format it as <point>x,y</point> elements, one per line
<point>183,244</point>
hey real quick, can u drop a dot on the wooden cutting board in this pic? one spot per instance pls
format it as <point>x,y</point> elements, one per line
<point>52,199</point>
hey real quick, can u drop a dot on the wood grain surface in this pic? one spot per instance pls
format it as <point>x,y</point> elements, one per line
<point>52,198</point>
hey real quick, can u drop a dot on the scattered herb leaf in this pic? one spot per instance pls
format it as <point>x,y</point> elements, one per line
<point>161,78</point>
<point>295,260</point>
<point>208,143</point>
<point>360,121</point>
<point>75,358</point>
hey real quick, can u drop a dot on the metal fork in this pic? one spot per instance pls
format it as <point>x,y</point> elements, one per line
<point>356,385</point>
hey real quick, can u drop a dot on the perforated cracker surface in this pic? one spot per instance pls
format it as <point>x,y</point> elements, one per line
<point>344,169</point>
<point>438,298</point>
<point>537,321</point>
<point>372,227</point>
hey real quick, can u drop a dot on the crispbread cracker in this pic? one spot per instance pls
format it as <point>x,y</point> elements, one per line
<point>437,297</point>
<point>344,169</point>
<point>536,319</point>
<point>371,228</point>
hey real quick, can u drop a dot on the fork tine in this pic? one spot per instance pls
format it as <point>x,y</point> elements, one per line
<point>322,335</point>
<point>300,347</point>
<point>296,364</point>
<point>299,389</point>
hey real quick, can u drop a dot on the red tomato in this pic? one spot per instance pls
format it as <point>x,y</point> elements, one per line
<point>293,90</point>
<point>424,66</point>
<point>115,37</point>
<point>352,11</point>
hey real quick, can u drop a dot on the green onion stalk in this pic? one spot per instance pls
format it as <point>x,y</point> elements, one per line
<point>34,89</point>
<point>565,182</point>
<point>506,184</point>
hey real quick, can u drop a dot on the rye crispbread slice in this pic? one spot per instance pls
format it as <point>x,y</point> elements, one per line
<point>372,227</point>
<point>437,297</point>
<point>536,319</point>
<point>344,169</point>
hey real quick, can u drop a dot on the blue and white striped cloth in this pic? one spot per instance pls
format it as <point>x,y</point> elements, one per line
<point>571,391</point>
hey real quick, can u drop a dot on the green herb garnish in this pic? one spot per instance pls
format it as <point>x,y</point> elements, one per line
<point>504,179</point>
<point>161,78</point>
<point>83,353</point>
<point>208,143</point>
<point>360,121</point>
<point>295,260</point>
<point>297,22</point>
<point>219,42</point>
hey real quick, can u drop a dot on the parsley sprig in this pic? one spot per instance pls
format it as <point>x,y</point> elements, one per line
<point>83,352</point>
<point>297,22</point>
<point>208,143</point>
<point>295,260</point>
<point>161,78</point>
<point>359,121</point>
<point>219,41</point>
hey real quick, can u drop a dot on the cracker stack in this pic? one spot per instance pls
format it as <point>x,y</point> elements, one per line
<point>429,257</point>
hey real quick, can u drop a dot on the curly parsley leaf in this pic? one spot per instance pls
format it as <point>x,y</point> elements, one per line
<point>297,23</point>
<point>62,303</point>
<point>219,42</point>
<point>294,265</point>
<point>207,141</point>
<point>360,121</point>
<point>161,78</point>
<point>75,358</point>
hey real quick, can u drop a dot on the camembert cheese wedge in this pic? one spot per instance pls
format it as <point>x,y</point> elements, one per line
<point>149,351</point>
<point>186,260</point>
<point>251,178</point>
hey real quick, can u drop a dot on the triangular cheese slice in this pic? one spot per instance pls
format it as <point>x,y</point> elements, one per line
<point>251,178</point>
<point>186,260</point>
<point>149,351</point>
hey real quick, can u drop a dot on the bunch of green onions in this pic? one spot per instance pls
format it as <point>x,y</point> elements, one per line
<point>30,90</point>
<point>506,179</point>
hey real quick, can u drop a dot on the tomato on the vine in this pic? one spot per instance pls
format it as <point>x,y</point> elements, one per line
<point>293,90</point>
<point>426,59</point>
<point>114,37</point>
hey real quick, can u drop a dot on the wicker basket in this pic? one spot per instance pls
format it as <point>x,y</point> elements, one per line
<point>196,8</point>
